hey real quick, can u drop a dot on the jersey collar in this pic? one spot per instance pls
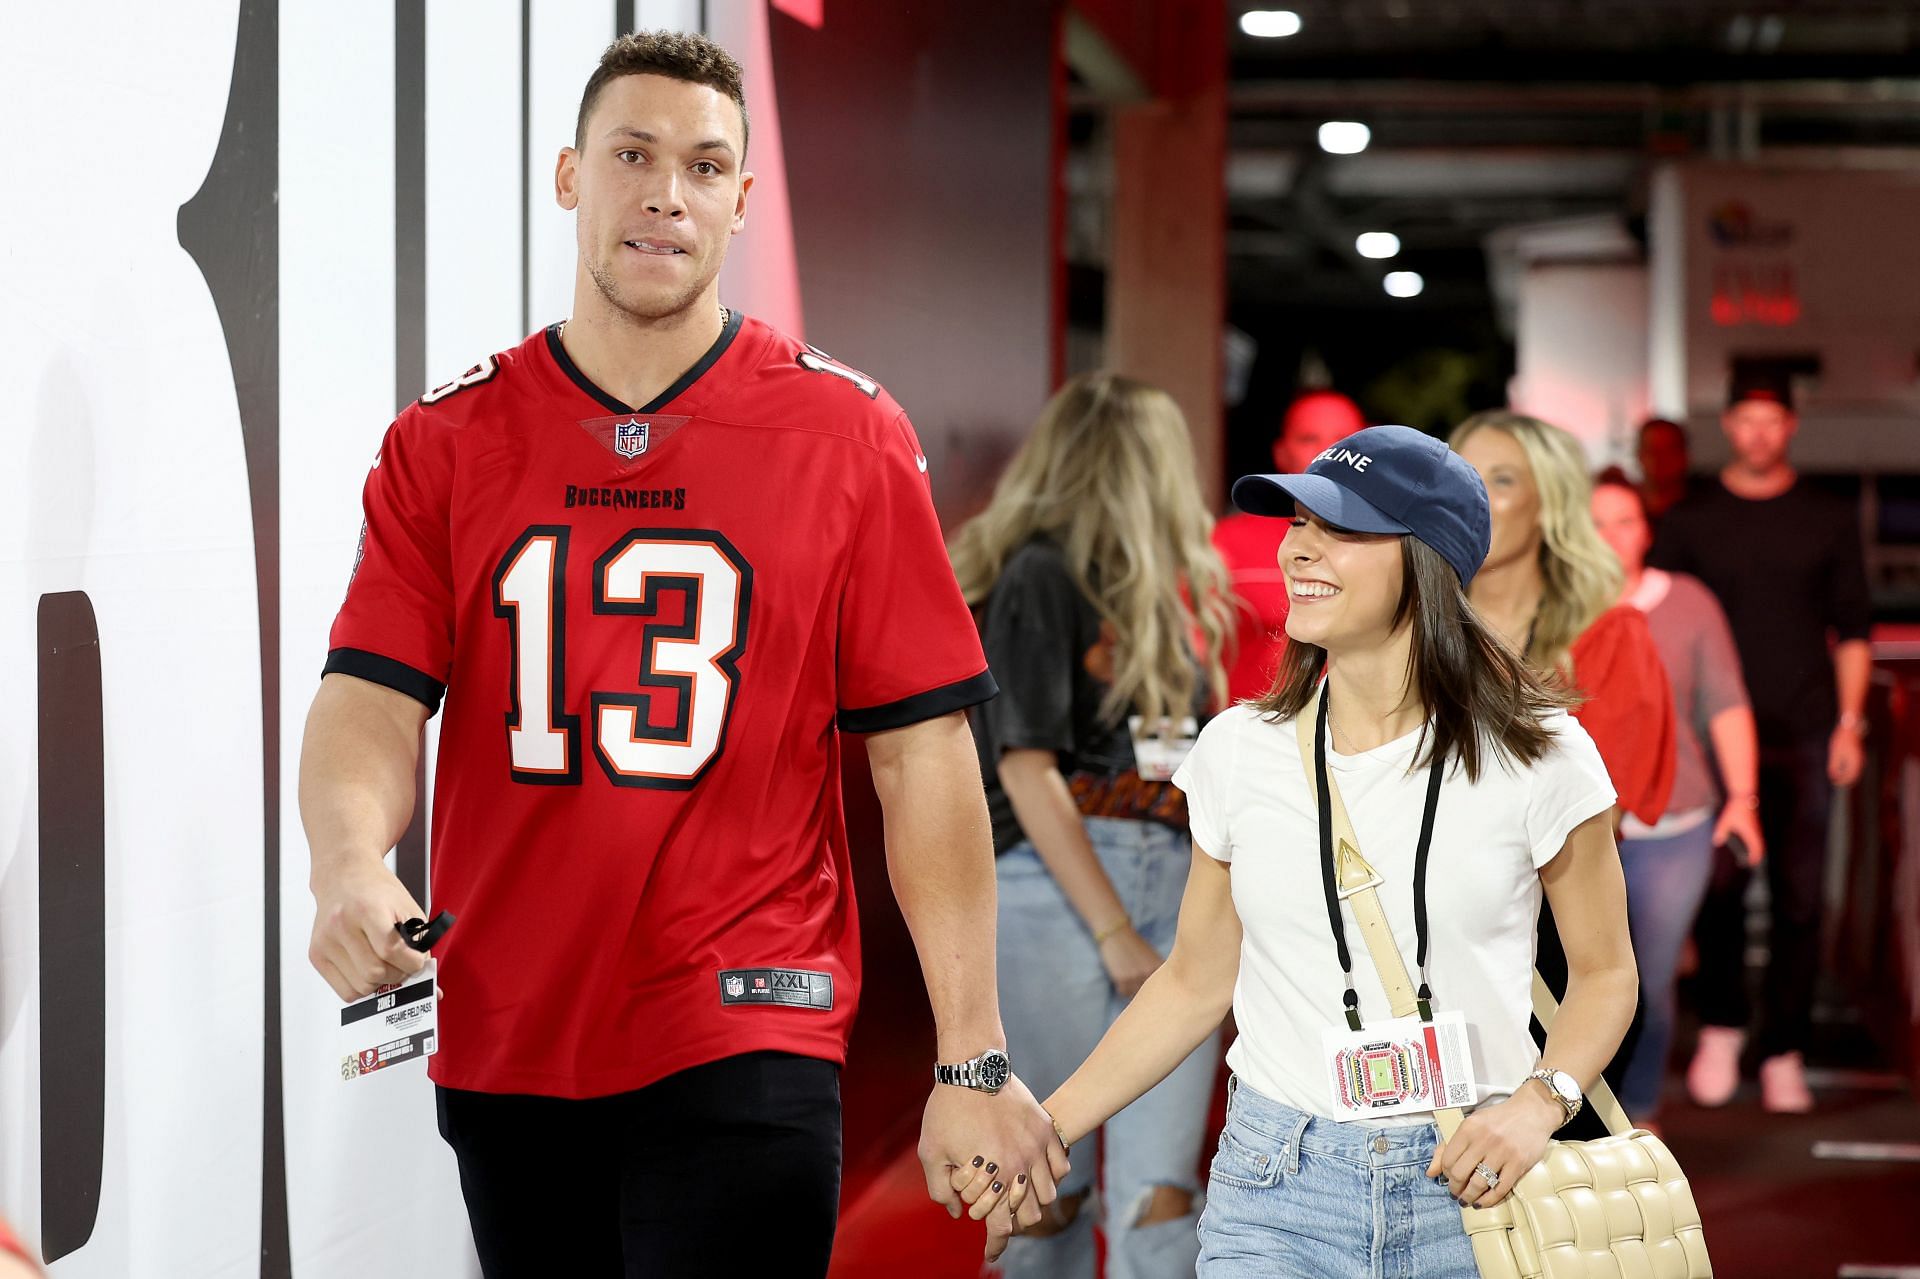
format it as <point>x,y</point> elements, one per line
<point>680,386</point>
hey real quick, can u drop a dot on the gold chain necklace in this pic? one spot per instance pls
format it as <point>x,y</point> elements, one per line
<point>1340,732</point>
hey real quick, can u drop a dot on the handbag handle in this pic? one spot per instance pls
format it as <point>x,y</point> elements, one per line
<point>1359,879</point>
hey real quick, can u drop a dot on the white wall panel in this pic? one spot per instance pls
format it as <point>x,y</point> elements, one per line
<point>129,483</point>
<point>474,210</point>
<point>564,46</point>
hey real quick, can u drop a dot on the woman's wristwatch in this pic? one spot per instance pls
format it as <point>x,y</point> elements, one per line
<point>1563,1088</point>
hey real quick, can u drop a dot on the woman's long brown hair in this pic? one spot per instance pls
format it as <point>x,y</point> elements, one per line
<point>1478,694</point>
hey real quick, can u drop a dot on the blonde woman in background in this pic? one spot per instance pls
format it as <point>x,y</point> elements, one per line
<point>1091,573</point>
<point>1551,589</point>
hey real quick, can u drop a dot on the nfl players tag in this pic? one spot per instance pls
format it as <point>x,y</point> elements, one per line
<point>794,987</point>
<point>394,1024</point>
<point>1399,1067</point>
<point>1159,752</point>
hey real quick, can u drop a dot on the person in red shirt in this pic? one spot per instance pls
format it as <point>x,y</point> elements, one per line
<point>1251,545</point>
<point>657,559</point>
<point>1551,588</point>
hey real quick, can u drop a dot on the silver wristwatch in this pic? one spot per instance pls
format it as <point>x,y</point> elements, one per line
<point>1564,1089</point>
<point>986,1073</point>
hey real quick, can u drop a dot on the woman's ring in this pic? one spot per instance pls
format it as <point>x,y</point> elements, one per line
<point>1491,1174</point>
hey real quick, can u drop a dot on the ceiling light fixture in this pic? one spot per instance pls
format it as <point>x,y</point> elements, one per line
<point>1270,24</point>
<point>1377,244</point>
<point>1344,137</point>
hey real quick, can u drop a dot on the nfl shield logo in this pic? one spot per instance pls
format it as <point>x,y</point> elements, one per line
<point>735,986</point>
<point>630,438</point>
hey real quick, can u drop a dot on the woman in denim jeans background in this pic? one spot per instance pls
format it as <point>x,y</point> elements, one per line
<point>1389,526</point>
<point>1081,570</point>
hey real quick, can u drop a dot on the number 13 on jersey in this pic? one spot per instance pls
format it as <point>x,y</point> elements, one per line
<point>693,662</point>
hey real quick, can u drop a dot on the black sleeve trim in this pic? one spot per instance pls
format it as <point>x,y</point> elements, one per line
<point>921,707</point>
<point>398,676</point>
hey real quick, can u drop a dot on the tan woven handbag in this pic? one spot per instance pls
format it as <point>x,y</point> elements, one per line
<point>1615,1208</point>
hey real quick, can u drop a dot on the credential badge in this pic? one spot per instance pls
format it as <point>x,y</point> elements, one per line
<point>630,438</point>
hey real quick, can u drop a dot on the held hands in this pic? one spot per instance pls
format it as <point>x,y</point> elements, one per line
<point>982,1152</point>
<point>1129,960</point>
<point>1509,1137</point>
<point>354,945</point>
<point>1739,819</point>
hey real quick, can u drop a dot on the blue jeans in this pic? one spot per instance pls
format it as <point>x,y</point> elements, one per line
<point>1300,1197</point>
<point>1056,1002</point>
<point>1666,878</point>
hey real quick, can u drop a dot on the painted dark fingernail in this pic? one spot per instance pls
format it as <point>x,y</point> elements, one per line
<point>978,1160</point>
<point>1021,1179</point>
<point>996,1187</point>
<point>992,1168</point>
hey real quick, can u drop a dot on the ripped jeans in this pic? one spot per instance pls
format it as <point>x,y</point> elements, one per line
<point>1056,1002</point>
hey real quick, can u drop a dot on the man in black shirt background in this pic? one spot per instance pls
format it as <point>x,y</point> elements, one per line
<point>1786,563</point>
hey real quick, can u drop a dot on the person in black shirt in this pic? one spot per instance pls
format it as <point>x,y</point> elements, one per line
<point>1785,561</point>
<point>1090,572</point>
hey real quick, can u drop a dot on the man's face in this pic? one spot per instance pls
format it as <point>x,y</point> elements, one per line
<point>1759,431</point>
<point>1311,427</point>
<point>659,190</point>
<point>1663,455</point>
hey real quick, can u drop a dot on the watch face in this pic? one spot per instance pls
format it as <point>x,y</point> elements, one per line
<point>1564,1084</point>
<point>994,1070</point>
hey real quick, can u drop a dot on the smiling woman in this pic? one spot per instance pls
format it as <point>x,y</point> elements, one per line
<point>1471,793</point>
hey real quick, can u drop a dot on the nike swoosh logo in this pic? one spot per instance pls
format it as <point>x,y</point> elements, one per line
<point>920,460</point>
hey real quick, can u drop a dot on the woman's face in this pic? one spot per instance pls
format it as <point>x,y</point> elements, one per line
<point>1344,587</point>
<point>1623,526</point>
<point>1511,493</point>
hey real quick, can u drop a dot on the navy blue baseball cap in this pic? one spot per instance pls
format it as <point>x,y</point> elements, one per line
<point>1387,479</point>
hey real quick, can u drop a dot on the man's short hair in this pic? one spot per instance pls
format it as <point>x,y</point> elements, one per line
<point>678,55</point>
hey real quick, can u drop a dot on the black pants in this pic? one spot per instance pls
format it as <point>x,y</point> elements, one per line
<point>1795,796</point>
<point>731,1168</point>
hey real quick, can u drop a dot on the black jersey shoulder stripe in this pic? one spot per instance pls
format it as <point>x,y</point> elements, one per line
<point>398,676</point>
<point>920,707</point>
<point>728,333</point>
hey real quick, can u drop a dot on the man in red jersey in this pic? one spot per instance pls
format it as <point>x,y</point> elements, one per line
<point>1251,545</point>
<point>656,559</point>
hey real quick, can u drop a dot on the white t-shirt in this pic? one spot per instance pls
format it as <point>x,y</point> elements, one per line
<point>1250,804</point>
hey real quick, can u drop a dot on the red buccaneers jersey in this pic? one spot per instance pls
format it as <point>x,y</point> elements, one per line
<point>650,626</point>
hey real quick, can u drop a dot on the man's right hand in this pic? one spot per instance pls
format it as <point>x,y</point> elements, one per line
<point>355,946</point>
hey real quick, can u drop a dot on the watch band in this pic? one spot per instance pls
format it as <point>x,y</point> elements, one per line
<point>1572,1108</point>
<point>973,1072</point>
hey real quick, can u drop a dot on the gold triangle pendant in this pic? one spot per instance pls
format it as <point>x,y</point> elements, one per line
<point>1352,870</point>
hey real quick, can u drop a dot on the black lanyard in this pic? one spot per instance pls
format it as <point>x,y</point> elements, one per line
<point>1352,997</point>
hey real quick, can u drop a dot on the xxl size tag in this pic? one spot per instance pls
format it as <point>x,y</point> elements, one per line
<point>392,1025</point>
<point>1400,1067</point>
<point>795,987</point>
<point>1160,748</point>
